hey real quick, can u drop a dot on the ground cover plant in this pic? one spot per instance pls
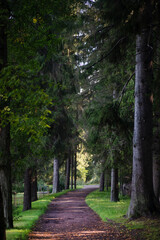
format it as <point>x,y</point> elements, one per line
<point>114,212</point>
<point>24,221</point>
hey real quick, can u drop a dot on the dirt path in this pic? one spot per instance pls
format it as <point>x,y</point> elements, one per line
<point>69,217</point>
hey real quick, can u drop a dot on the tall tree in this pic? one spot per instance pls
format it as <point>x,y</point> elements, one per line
<point>156,121</point>
<point>34,186</point>
<point>101,186</point>
<point>55,175</point>
<point>114,172</point>
<point>5,158</point>
<point>75,170</point>
<point>142,196</point>
<point>114,185</point>
<point>27,189</point>
<point>67,180</point>
<point>2,220</point>
<point>156,160</point>
<point>102,176</point>
<point>72,170</point>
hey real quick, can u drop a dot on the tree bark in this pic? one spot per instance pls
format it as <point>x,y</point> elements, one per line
<point>114,185</point>
<point>156,128</point>
<point>5,159</point>
<point>2,220</point>
<point>156,160</point>
<point>101,186</point>
<point>107,179</point>
<point>142,197</point>
<point>27,190</point>
<point>34,185</point>
<point>5,174</point>
<point>67,181</point>
<point>72,171</point>
<point>75,171</point>
<point>114,172</point>
<point>55,176</point>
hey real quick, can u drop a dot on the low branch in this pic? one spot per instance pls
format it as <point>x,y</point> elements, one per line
<point>104,28</point>
<point>120,40</point>
<point>123,90</point>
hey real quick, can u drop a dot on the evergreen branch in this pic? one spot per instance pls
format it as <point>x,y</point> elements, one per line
<point>123,90</point>
<point>102,58</point>
<point>102,29</point>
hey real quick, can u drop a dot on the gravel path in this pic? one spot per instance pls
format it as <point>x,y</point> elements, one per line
<point>69,217</point>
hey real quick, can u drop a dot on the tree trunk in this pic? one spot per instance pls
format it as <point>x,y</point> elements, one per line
<point>101,186</point>
<point>27,190</point>
<point>2,221</point>
<point>156,160</point>
<point>121,181</point>
<point>71,171</point>
<point>55,175</point>
<point>34,186</point>
<point>142,197</point>
<point>75,171</point>
<point>114,185</point>
<point>5,159</point>
<point>114,172</point>
<point>67,181</point>
<point>5,175</point>
<point>107,179</point>
<point>156,129</point>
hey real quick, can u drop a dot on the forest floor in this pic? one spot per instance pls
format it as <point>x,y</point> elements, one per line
<point>69,217</point>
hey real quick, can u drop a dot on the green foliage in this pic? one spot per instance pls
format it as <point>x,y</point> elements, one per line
<point>28,104</point>
<point>109,56</point>
<point>33,96</point>
<point>108,131</point>
<point>128,20</point>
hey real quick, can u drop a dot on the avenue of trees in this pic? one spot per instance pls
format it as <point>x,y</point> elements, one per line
<point>80,76</point>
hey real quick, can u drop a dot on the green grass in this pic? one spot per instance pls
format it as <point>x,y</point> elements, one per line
<point>24,221</point>
<point>101,204</point>
<point>149,228</point>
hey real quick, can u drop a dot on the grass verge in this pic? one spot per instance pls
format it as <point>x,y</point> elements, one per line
<point>24,221</point>
<point>149,228</point>
<point>101,204</point>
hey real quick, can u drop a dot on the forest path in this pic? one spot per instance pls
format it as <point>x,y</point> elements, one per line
<point>69,217</point>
